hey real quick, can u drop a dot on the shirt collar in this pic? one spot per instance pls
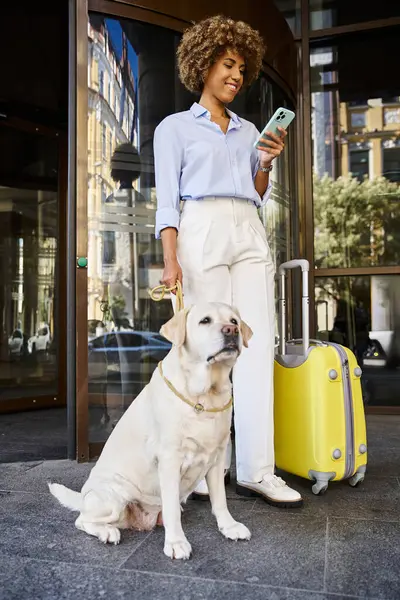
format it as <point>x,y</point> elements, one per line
<point>199,111</point>
<point>233,116</point>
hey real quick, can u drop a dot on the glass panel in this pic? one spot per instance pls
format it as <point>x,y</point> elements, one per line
<point>356,151</point>
<point>363,313</point>
<point>257,105</point>
<point>391,160</point>
<point>28,264</point>
<point>291,11</point>
<point>129,63</point>
<point>124,259</point>
<point>332,13</point>
<point>276,213</point>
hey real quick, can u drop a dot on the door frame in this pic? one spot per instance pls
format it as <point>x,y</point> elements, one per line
<point>80,141</point>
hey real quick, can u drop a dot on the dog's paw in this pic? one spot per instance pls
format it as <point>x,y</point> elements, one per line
<point>110,535</point>
<point>236,531</point>
<point>180,550</point>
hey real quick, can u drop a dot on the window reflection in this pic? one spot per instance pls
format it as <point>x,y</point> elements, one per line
<point>125,260</point>
<point>133,85</point>
<point>332,13</point>
<point>28,264</point>
<point>356,153</point>
<point>276,213</point>
<point>257,105</point>
<point>363,313</point>
<point>291,11</point>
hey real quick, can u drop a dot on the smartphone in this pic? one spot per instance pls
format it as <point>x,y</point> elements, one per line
<point>282,117</point>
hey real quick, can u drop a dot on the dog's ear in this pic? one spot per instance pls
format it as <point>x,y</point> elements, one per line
<point>247,333</point>
<point>245,330</point>
<point>174,330</point>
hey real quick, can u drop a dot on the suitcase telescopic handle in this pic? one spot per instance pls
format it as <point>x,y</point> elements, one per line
<point>304,265</point>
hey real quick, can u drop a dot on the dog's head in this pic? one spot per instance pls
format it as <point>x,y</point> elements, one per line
<point>211,332</point>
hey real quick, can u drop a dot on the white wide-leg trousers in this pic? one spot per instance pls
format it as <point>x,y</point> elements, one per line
<point>225,257</point>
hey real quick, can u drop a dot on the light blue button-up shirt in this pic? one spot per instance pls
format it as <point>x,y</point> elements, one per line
<point>195,159</point>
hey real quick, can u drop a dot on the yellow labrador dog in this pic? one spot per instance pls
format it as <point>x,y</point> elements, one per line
<point>173,435</point>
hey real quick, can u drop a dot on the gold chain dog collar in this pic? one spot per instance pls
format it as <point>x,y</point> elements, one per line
<point>199,408</point>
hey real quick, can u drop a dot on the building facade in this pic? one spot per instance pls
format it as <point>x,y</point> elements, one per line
<point>78,256</point>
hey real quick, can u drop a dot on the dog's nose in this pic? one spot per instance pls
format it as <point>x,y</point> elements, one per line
<point>230,330</point>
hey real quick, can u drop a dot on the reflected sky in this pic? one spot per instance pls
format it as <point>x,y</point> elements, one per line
<point>116,35</point>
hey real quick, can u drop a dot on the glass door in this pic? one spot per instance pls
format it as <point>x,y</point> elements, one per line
<point>128,83</point>
<point>29,267</point>
<point>129,62</point>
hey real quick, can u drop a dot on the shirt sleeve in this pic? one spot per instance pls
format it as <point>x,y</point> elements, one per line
<point>168,155</point>
<point>255,163</point>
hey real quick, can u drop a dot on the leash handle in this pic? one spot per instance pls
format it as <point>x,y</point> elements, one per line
<point>158,293</point>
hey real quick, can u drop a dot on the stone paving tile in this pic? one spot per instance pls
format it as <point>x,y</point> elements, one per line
<point>363,557</point>
<point>287,552</point>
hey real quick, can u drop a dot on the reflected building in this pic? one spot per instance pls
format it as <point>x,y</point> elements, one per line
<point>125,259</point>
<point>111,122</point>
<point>370,138</point>
<point>356,164</point>
<point>121,207</point>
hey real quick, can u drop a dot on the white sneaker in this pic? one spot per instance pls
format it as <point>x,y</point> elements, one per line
<point>201,490</point>
<point>273,490</point>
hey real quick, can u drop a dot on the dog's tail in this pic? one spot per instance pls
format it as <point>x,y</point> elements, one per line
<point>65,496</point>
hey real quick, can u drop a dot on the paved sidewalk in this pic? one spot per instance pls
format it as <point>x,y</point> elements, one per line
<point>345,544</point>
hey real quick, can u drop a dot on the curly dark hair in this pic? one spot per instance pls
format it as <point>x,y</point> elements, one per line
<point>203,43</point>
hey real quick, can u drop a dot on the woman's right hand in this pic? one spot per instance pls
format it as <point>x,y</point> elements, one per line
<point>172,273</point>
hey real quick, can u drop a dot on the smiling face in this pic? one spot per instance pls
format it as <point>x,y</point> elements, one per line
<point>225,77</point>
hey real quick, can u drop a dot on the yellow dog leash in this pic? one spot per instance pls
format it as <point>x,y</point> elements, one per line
<point>158,293</point>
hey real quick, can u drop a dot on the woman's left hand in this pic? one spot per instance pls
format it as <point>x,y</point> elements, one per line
<point>271,147</point>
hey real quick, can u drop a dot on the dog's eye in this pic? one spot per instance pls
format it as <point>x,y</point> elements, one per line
<point>205,321</point>
<point>234,322</point>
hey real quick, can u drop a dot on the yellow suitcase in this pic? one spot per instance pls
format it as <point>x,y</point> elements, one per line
<point>320,431</point>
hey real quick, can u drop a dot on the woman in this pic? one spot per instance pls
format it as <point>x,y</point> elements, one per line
<point>217,246</point>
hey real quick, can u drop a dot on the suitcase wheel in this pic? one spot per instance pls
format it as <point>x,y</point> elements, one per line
<point>319,488</point>
<point>356,479</point>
